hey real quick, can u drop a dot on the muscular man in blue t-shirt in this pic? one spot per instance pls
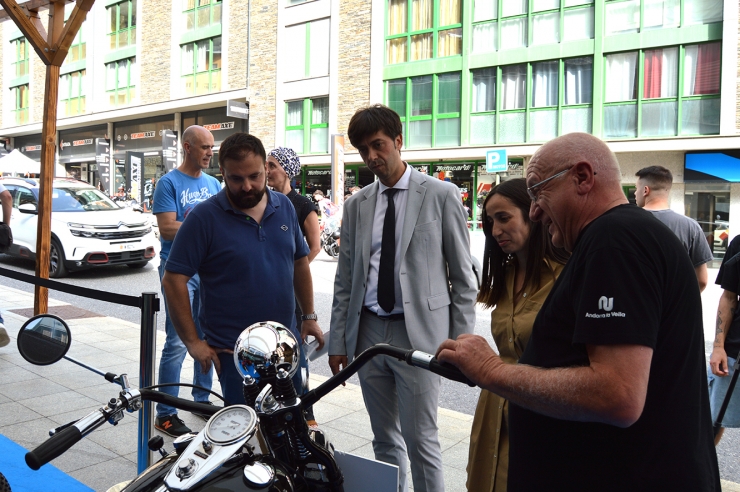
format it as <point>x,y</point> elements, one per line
<point>247,247</point>
<point>175,196</point>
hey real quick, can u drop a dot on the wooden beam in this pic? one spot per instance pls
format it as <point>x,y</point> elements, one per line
<point>30,6</point>
<point>48,149</point>
<point>72,26</point>
<point>28,29</point>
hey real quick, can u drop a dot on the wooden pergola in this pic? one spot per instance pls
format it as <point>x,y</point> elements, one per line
<point>52,46</point>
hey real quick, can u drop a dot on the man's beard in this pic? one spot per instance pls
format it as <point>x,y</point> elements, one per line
<point>246,200</point>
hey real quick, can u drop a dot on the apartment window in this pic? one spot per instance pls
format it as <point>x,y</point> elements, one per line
<point>201,13</point>
<point>429,107</point>
<point>78,48</point>
<point>20,104</point>
<point>308,49</point>
<point>531,102</point>
<point>631,16</point>
<point>423,29</point>
<point>120,81</point>
<point>201,66</point>
<point>20,64</point>
<point>663,92</point>
<point>307,126</point>
<point>517,23</point>
<point>122,28</point>
<point>72,93</point>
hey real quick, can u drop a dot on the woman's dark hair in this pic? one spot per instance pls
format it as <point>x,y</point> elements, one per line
<point>495,260</point>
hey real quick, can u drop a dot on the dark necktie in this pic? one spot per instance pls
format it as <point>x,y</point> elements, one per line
<point>386,281</point>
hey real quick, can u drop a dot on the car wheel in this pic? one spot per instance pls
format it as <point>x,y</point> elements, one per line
<point>56,260</point>
<point>138,264</point>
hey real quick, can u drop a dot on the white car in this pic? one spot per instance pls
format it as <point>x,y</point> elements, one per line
<point>87,228</point>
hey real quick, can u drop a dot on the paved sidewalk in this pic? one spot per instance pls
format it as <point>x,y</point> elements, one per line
<point>34,399</point>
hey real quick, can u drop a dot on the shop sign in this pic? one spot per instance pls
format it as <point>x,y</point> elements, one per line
<point>86,141</point>
<point>229,125</point>
<point>169,150</point>
<point>496,161</point>
<point>102,158</point>
<point>134,136</point>
<point>237,109</point>
<point>463,167</point>
<point>31,148</point>
<point>319,172</point>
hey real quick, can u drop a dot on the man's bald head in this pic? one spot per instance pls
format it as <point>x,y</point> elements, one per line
<point>197,144</point>
<point>573,148</point>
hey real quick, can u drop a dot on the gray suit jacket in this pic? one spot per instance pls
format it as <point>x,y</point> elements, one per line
<point>437,280</point>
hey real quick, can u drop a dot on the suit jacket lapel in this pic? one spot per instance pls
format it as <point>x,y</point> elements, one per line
<point>413,206</point>
<point>367,215</point>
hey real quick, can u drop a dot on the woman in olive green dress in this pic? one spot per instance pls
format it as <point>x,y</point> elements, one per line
<point>520,266</point>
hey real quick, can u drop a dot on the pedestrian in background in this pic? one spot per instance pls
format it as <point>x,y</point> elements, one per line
<point>520,266</point>
<point>652,193</point>
<point>405,277</point>
<point>177,193</point>
<point>283,165</point>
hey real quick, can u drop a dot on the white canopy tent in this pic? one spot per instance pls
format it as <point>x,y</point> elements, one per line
<point>17,163</point>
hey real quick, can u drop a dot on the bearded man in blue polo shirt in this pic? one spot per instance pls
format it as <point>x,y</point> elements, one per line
<point>247,247</point>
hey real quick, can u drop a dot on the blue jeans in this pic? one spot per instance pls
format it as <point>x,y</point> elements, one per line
<point>174,352</point>
<point>2,321</point>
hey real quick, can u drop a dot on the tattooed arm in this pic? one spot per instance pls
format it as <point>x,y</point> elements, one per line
<point>725,313</point>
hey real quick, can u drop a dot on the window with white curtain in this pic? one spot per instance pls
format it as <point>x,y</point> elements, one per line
<point>484,90</point>
<point>659,14</point>
<point>545,84</point>
<point>513,87</point>
<point>702,69</point>
<point>578,24</point>
<point>484,37</point>
<point>623,17</point>
<point>513,33</point>
<point>201,66</point>
<point>319,143</point>
<point>485,10</point>
<point>307,49</point>
<point>513,7</point>
<point>578,80</point>
<point>621,77</point>
<point>702,11</point>
<point>546,28</point>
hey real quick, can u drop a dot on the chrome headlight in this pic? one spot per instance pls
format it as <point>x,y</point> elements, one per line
<point>263,347</point>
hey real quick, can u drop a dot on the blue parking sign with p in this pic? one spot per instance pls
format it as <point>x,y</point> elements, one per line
<point>496,161</point>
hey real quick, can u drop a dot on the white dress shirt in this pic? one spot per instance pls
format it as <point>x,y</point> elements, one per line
<point>381,205</point>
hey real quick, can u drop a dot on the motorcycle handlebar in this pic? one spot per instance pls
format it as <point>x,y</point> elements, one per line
<point>53,447</point>
<point>412,357</point>
<point>187,405</point>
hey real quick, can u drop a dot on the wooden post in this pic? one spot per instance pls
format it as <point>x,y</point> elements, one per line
<point>48,151</point>
<point>52,51</point>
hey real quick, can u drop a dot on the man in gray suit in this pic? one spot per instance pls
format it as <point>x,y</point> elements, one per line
<point>405,277</point>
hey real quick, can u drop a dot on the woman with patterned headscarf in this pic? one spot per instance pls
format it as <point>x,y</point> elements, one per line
<point>282,166</point>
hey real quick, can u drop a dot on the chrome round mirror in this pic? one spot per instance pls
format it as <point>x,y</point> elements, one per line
<point>44,339</point>
<point>263,347</point>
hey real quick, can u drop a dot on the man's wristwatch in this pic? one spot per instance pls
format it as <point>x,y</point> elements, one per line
<point>306,317</point>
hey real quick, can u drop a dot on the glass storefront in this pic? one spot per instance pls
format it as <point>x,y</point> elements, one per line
<point>77,152</point>
<point>143,136</point>
<point>30,146</point>
<point>709,204</point>
<point>221,126</point>
<point>461,175</point>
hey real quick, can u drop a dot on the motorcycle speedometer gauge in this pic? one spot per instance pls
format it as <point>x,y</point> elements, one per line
<point>231,424</point>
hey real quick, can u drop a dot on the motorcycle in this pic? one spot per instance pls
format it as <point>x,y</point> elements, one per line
<point>265,445</point>
<point>330,233</point>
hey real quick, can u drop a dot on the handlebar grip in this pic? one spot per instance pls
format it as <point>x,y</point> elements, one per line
<point>53,447</point>
<point>449,371</point>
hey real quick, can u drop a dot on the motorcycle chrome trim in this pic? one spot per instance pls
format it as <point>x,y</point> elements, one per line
<point>248,424</point>
<point>421,359</point>
<point>259,474</point>
<point>195,463</point>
